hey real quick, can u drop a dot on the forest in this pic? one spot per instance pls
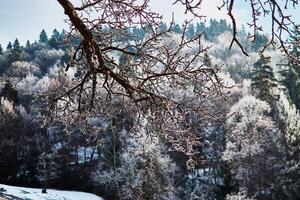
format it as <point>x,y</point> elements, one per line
<point>173,112</point>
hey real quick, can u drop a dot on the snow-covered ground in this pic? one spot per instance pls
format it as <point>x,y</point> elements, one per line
<point>36,194</point>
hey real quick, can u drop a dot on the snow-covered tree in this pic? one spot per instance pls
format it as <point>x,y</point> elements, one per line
<point>46,58</point>
<point>22,68</point>
<point>146,170</point>
<point>255,149</point>
<point>290,116</point>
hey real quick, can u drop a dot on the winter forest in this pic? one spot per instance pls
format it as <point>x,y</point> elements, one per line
<point>126,106</point>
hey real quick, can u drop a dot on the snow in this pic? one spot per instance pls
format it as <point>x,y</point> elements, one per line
<point>36,194</point>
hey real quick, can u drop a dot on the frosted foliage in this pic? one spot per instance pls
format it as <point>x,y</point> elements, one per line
<point>145,171</point>
<point>220,48</point>
<point>24,113</point>
<point>54,79</point>
<point>249,106</point>
<point>246,87</point>
<point>238,196</point>
<point>99,123</point>
<point>51,54</point>
<point>232,61</point>
<point>202,184</point>
<point>276,57</point>
<point>172,42</point>
<point>249,124</point>
<point>27,84</point>
<point>239,66</point>
<point>7,106</point>
<point>56,70</point>
<point>155,172</point>
<point>253,144</point>
<point>224,40</point>
<point>43,84</point>
<point>229,83</point>
<point>57,77</point>
<point>290,115</point>
<point>22,68</point>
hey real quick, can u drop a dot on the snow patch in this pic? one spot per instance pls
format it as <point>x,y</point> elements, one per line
<point>36,194</point>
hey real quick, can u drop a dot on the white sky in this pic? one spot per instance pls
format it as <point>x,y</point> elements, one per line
<point>24,19</point>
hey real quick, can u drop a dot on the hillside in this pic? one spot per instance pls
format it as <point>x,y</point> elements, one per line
<point>187,119</point>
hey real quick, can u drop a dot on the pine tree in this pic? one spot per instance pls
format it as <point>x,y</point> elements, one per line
<point>16,45</point>
<point>291,71</point>
<point>138,32</point>
<point>1,50</point>
<point>16,50</point>
<point>176,28</point>
<point>43,37</point>
<point>28,44</point>
<point>200,27</point>
<point>55,34</point>
<point>260,41</point>
<point>190,33</point>
<point>212,30</point>
<point>291,81</point>
<point>163,27</point>
<point>9,46</point>
<point>53,41</point>
<point>263,79</point>
<point>295,50</point>
<point>9,92</point>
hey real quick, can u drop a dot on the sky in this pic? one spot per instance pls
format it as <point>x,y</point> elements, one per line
<point>24,19</point>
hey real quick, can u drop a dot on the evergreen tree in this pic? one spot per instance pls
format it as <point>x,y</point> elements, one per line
<point>9,46</point>
<point>53,41</point>
<point>215,28</point>
<point>9,92</point>
<point>1,50</point>
<point>56,34</point>
<point>163,27</point>
<point>200,27</point>
<point>263,79</point>
<point>291,71</point>
<point>223,26</point>
<point>291,81</point>
<point>16,45</point>
<point>138,32</point>
<point>260,41</point>
<point>212,30</point>
<point>126,35</point>
<point>16,51</point>
<point>43,37</point>
<point>190,32</point>
<point>229,185</point>
<point>176,28</point>
<point>295,50</point>
<point>28,44</point>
